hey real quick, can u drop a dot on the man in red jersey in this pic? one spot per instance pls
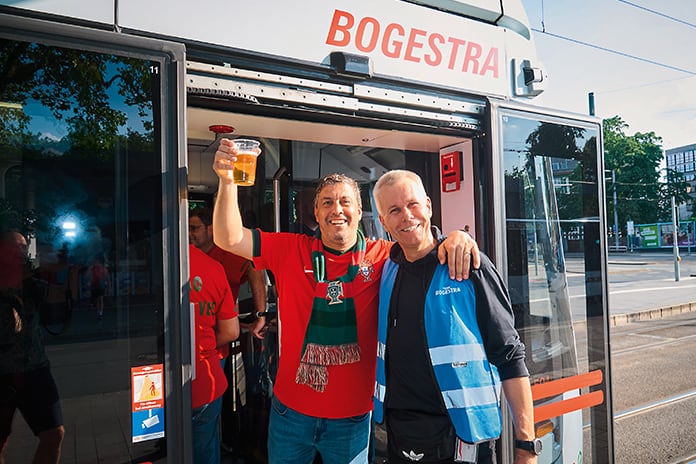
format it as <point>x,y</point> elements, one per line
<point>216,325</point>
<point>327,315</point>
<point>237,269</point>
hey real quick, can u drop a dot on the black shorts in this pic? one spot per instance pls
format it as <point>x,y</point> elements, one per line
<point>97,292</point>
<point>35,394</point>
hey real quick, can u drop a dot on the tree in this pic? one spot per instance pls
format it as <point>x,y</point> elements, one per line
<point>635,161</point>
<point>675,186</point>
<point>102,104</point>
<point>76,87</point>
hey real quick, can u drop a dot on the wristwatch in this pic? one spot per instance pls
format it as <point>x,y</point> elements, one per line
<point>533,446</point>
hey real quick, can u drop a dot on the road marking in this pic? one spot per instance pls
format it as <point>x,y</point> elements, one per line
<point>615,292</point>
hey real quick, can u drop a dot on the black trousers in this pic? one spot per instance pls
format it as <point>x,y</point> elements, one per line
<point>486,455</point>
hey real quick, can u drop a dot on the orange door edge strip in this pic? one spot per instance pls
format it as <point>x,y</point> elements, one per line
<point>557,387</point>
<point>558,408</point>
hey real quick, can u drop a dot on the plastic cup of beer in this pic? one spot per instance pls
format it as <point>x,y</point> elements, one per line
<point>244,169</point>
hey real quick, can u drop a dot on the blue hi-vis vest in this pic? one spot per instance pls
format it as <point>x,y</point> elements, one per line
<point>469,384</point>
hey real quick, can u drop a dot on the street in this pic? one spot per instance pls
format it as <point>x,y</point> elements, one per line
<point>652,335</point>
<point>654,390</point>
<point>640,285</point>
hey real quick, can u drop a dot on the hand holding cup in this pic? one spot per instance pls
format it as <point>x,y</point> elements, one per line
<point>235,161</point>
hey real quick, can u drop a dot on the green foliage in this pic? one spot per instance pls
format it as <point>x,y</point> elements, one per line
<point>101,105</point>
<point>77,88</point>
<point>643,196</point>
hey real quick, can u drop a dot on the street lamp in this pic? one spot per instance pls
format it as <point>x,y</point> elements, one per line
<point>616,211</point>
<point>675,237</point>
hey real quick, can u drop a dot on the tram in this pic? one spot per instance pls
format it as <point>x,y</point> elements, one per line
<point>110,113</point>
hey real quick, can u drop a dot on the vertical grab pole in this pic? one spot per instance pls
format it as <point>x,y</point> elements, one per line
<point>276,197</point>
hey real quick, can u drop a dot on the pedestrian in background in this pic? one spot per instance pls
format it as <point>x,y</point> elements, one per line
<point>99,282</point>
<point>26,382</point>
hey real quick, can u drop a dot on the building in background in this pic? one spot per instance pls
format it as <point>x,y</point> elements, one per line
<point>683,159</point>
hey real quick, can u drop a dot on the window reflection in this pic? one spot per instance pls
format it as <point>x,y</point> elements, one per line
<point>554,258</point>
<point>80,178</point>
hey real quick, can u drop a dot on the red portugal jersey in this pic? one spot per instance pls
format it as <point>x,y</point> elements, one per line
<point>212,300</point>
<point>350,386</point>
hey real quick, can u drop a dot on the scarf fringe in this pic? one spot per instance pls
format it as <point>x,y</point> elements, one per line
<point>313,371</point>
<point>335,355</point>
<point>315,377</point>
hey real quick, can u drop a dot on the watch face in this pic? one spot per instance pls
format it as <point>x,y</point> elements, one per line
<point>537,446</point>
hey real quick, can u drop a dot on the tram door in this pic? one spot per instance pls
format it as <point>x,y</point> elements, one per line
<point>294,157</point>
<point>84,180</point>
<point>553,255</point>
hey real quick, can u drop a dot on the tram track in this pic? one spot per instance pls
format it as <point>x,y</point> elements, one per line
<point>654,405</point>
<point>649,346</point>
<point>653,390</point>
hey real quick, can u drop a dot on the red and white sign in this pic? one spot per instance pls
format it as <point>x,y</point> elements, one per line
<point>402,40</point>
<point>147,387</point>
<point>451,171</point>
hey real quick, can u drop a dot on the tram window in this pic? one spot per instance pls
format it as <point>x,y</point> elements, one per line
<point>81,178</point>
<point>554,258</point>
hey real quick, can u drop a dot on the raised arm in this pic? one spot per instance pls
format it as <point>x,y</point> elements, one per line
<point>228,230</point>
<point>457,251</point>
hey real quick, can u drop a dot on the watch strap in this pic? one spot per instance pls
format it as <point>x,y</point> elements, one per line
<point>533,446</point>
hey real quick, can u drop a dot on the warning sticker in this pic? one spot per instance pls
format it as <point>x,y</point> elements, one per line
<point>148,402</point>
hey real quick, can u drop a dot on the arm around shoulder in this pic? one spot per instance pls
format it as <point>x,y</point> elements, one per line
<point>459,251</point>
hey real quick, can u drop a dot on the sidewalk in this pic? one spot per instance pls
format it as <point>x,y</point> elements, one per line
<point>643,286</point>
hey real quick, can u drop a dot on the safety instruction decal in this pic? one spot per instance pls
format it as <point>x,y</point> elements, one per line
<point>147,402</point>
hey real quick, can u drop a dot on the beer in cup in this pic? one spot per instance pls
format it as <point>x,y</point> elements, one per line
<point>244,170</point>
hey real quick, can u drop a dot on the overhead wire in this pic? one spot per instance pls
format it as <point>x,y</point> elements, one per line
<point>617,52</point>
<point>655,12</point>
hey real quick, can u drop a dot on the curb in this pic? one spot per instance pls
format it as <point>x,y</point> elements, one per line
<point>645,315</point>
<point>651,314</point>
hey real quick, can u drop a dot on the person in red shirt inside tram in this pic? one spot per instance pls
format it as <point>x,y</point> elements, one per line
<point>238,270</point>
<point>216,324</point>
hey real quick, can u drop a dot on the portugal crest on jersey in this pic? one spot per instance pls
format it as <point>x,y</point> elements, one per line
<point>334,292</point>
<point>366,270</point>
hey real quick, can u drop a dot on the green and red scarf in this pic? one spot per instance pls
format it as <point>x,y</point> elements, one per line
<point>332,333</point>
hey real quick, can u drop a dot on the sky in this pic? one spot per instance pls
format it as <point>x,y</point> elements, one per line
<point>657,94</point>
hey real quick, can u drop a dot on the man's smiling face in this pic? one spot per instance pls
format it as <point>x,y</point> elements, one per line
<point>339,213</point>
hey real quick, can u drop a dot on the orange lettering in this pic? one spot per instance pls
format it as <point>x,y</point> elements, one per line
<point>395,41</point>
<point>337,27</point>
<point>395,50</point>
<point>360,34</point>
<point>412,43</point>
<point>436,58</point>
<point>453,54</point>
<point>473,53</point>
<point>491,63</point>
